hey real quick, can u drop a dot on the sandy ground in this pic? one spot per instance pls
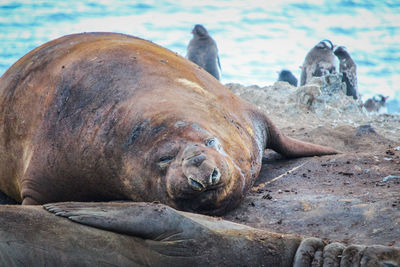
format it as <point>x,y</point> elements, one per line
<point>353,197</point>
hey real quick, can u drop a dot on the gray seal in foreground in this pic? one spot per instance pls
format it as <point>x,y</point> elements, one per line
<point>203,51</point>
<point>348,68</point>
<point>106,116</point>
<point>287,76</point>
<point>319,61</point>
<point>138,234</point>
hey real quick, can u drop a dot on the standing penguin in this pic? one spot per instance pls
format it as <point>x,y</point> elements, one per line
<point>203,51</point>
<point>287,76</point>
<point>376,104</point>
<point>319,61</point>
<point>349,71</point>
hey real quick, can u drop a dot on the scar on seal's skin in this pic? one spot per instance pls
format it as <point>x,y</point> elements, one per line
<point>196,87</point>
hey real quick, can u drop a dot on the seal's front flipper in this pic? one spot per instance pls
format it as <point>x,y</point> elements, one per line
<point>145,220</point>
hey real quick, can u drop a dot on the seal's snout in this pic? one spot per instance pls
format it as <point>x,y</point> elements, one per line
<point>198,184</point>
<point>214,177</point>
<point>196,160</point>
<point>200,171</point>
<point>195,184</point>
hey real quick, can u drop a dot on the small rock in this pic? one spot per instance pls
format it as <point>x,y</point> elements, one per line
<point>365,129</point>
<point>390,152</point>
<point>397,148</point>
<point>388,159</point>
<point>279,191</point>
<point>306,207</point>
<point>346,173</point>
<point>357,168</point>
<point>390,177</point>
<point>267,196</point>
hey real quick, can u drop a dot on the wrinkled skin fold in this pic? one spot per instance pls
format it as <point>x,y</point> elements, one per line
<point>137,234</point>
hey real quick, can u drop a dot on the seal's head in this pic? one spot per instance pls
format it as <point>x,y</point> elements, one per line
<point>199,175</point>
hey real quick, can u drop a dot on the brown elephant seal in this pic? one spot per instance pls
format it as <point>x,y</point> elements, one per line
<point>319,61</point>
<point>138,234</point>
<point>203,51</point>
<point>106,116</point>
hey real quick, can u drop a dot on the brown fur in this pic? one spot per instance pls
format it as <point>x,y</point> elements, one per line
<point>105,116</point>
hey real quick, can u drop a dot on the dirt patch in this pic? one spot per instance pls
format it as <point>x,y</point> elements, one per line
<point>353,197</point>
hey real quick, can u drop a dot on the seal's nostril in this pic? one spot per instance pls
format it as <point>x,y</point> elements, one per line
<point>196,185</point>
<point>214,177</point>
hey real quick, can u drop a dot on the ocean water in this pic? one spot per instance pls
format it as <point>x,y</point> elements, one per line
<point>255,39</point>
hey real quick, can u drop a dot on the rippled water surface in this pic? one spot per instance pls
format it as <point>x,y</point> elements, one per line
<point>255,38</point>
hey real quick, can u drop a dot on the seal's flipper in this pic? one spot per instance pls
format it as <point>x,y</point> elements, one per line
<point>356,255</point>
<point>309,253</point>
<point>333,253</point>
<point>293,148</point>
<point>145,220</point>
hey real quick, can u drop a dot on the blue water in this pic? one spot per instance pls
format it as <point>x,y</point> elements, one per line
<point>255,38</point>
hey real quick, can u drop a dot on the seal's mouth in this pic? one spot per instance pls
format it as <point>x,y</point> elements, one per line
<point>227,192</point>
<point>209,202</point>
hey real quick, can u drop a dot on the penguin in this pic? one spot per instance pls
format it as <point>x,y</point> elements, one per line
<point>348,68</point>
<point>287,76</point>
<point>203,51</point>
<point>376,104</point>
<point>319,61</point>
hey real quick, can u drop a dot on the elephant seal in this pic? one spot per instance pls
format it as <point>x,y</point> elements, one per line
<point>107,116</point>
<point>203,51</point>
<point>138,234</point>
<point>287,76</point>
<point>348,68</point>
<point>319,61</point>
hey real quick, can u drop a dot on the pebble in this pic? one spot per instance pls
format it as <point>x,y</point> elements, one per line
<point>390,177</point>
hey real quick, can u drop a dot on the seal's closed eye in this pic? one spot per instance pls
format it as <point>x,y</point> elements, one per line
<point>164,161</point>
